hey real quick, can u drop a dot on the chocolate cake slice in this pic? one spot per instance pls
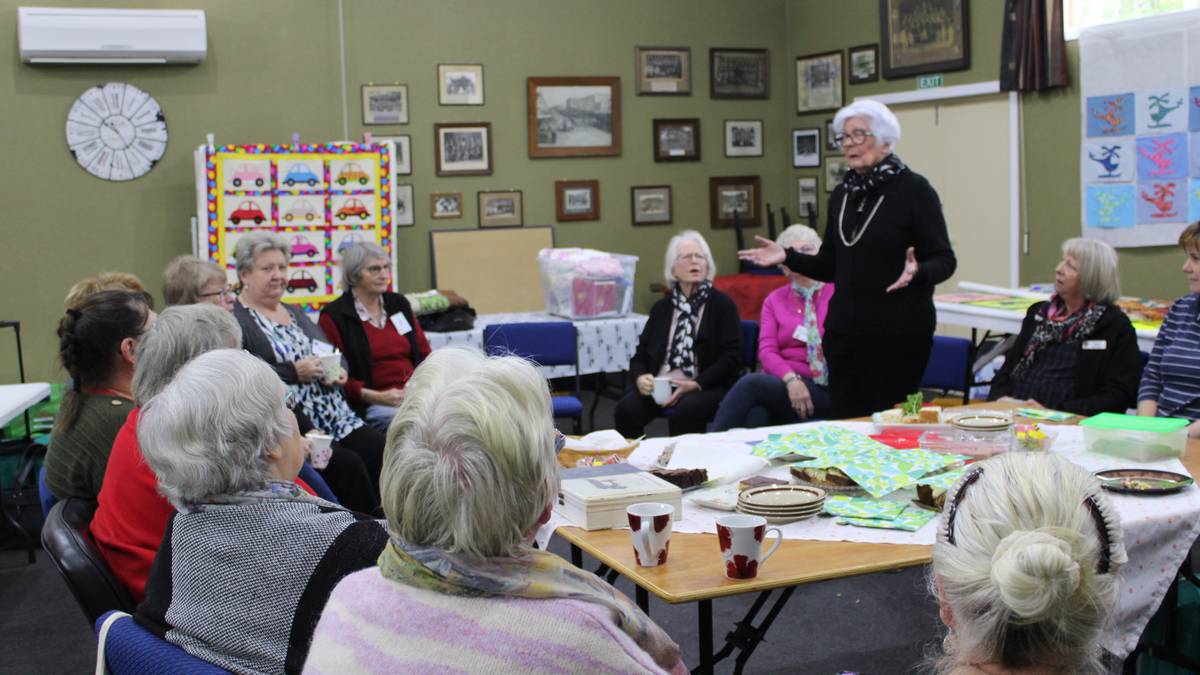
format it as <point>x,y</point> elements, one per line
<point>682,478</point>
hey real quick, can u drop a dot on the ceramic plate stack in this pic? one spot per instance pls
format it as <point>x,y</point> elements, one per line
<point>782,503</point>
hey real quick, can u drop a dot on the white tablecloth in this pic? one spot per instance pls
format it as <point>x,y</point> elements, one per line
<point>17,398</point>
<point>1158,531</point>
<point>605,345</point>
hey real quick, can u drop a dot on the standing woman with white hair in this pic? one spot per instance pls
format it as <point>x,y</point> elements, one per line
<point>693,337</point>
<point>886,247</point>
<point>1077,351</point>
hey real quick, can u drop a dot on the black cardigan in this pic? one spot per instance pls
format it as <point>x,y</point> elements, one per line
<point>910,215</point>
<point>355,345</point>
<point>718,346</point>
<point>257,343</point>
<point>1106,380</point>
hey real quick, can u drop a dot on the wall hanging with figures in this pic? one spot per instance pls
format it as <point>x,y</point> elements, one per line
<point>321,197</point>
<point>1140,159</point>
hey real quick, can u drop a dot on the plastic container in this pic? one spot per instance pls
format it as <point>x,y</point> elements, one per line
<point>580,283</point>
<point>1142,439</point>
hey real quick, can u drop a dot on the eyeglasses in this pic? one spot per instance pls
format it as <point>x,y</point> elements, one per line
<point>560,441</point>
<point>857,136</point>
<point>224,292</point>
<point>692,256</point>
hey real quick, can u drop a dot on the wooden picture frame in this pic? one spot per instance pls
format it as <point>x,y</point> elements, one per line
<point>460,83</point>
<point>940,42</point>
<point>403,164</point>
<point>806,148</point>
<point>574,116</point>
<point>677,140</point>
<point>819,82</point>
<point>384,104</point>
<point>501,209</point>
<point>650,204</point>
<point>743,138</point>
<point>445,205</point>
<point>403,209</point>
<point>807,193</point>
<point>463,148</point>
<point>863,64</point>
<point>727,194</point>
<point>663,71</point>
<point>739,73</point>
<point>576,200</point>
<point>835,169</point>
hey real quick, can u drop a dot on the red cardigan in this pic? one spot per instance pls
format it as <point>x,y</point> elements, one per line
<point>132,515</point>
<point>390,355</point>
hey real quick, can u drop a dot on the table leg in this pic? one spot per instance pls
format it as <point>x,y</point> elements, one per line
<point>706,640</point>
<point>576,556</point>
<point>643,599</point>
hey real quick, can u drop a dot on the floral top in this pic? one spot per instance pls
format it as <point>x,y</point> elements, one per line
<point>324,405</point>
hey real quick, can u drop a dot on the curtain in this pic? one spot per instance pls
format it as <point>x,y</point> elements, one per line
<point>1033,53</point>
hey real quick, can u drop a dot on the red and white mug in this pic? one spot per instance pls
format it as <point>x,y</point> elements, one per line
<point>741,538</point>
<point>650,526</point>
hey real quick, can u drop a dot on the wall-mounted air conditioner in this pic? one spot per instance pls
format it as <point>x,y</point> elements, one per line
<point>120,36</point>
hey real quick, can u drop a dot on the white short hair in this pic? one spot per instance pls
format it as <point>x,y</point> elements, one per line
<point>1099,269</point>
<point>673,253</point>
<point>255,244</point>
<point>798,234</point>
<point>880,119</point>
<point>180,334</point>
<point>209,430</point>
<point>1027,558</point>
<point>355,258</point>
<point>469,465</point>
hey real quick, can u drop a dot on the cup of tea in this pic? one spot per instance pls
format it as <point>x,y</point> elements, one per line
<point>319,451</point>
<point>331,365</point>
<point>650,527</point>
<point>741,538</point>
<point>662,390</point>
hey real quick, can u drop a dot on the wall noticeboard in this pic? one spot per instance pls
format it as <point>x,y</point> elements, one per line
<point>496,268</point>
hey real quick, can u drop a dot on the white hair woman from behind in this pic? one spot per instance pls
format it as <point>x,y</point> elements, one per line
<point>470,465</point>
<point>209,430</point>
<point>881,120</point>
<point>180,333</point>
<point>673,253</point>
<point>1026,565</point>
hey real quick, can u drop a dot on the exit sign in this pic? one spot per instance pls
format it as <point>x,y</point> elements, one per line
<point>929,81</point>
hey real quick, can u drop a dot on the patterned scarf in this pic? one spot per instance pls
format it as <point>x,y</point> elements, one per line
<point>859,184</point>
<point>683,343</point>
<point>812,332</point>
<point>1054,326</point>
<point>534,575</point>
<point>275,490</point>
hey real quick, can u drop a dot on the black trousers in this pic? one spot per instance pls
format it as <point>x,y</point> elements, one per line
<point>692,413</point>
<point>367,444</point>
<point>868,373</point>
<point>347,476</point>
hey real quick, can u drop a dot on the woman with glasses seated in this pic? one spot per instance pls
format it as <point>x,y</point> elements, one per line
<point>693,338</point>
<point>188,280</point>
<point>793,384</point>
<point>886,247</point>
<point>1026,567</point>
<point>469,476</point>
<point>377,331</point>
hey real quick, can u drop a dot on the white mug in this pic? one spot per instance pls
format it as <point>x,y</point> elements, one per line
<point>662,389</point>
<point>741,539</point>
<point>650,526</point>
<point>331,365</point>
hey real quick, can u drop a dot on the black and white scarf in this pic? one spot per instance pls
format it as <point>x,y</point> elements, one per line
<point>1053,327</point>
<point>683,343</point>
<point>859,184</point>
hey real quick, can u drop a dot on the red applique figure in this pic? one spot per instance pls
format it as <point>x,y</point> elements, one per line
<point>1163,200</point>
<point>1111,116</point>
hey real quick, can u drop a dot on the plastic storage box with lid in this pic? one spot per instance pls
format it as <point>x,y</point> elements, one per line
<point>581,283</point>
<point>1142,439</point>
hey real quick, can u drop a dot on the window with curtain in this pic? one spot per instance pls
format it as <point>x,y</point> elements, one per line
<point>1081,14</point>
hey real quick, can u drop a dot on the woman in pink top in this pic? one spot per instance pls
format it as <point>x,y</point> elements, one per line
<point>794,384</point>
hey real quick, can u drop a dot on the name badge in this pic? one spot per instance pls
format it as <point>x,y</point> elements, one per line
<point>401,323</point>
<point>800,335</point>
<point>321,348</point>
<point>1095,344</point>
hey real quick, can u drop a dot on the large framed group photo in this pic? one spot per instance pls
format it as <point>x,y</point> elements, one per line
<point>936,39</point>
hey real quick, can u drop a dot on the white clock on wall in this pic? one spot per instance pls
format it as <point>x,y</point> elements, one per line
<point>116,131</point>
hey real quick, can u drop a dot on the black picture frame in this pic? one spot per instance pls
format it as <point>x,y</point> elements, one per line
<point>802,158</point>
<point>853,75</point>
<point>670,145</point>
<point>739,73</point>
<point>930,57</point>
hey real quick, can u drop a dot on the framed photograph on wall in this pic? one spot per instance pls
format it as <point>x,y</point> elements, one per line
<point>739,73</point>
<point>735,196</point>
<point>806,196</point>
<point>574,116</point>
<point>651,204</point>
<point>677,140</point>
<point>806,147</point>
<point>403,144</point>
<point>577,200</point>
<point>830,142</point>
<point>460,83</point>
<point>743,138</point>
<point>445,205</point>
<point>819,82</point>
<point>463,148</point>
<point>500,209</point>
<point>663,71</point>
<point>934,40</point>
<point>835,170</point>
<point>402,205</point>
<point>385,104</point>
<point>864,64</point>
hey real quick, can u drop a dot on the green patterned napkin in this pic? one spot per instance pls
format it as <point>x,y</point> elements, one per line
<point>861,507</point>
<point>911,520</point>
<point>943,481</point>
<point>816,441</point>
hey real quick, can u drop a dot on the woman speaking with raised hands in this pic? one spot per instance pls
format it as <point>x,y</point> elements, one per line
<point>885,249</point>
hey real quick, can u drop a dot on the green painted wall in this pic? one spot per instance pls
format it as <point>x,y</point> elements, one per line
<point>273,68</point>
<point>1050,145</point>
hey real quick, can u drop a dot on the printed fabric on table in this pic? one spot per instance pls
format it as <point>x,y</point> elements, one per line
<point>325,406</point>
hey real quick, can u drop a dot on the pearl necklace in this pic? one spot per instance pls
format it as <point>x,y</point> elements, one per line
<point>861,232</point>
